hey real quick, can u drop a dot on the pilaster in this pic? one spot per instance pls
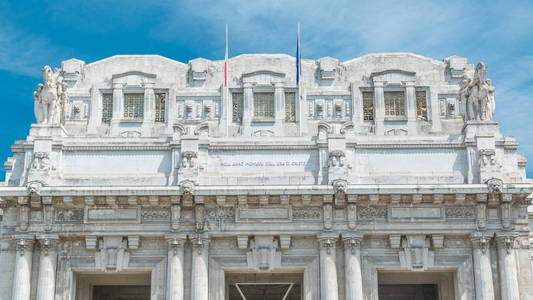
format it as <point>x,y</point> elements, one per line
<point>149,109</point>
<point>279,99</point>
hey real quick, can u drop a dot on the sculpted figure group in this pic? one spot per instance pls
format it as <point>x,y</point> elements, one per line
<point>477,95</point>
<point>50,98</point>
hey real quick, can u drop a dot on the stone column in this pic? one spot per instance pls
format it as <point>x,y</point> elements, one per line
<point>379,107</point>
<point>279,101</point>
<point>118,102</point>
<point>352,268</point>
<point>148,109</point>
<point>200,276</point>
<point>482,267</point>
<point>507,264</point>
<point>46,283</point>
<point>328,268</point>
<point>247,108</point>
<point>149,103</point>
<point>175,267</point>
<point>410,99</point>
<point>22,274</point>
<point>118,108</point>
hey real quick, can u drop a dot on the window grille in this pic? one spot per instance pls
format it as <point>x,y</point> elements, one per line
<point>160,106</point>
<point>394,104</point>
<point>368,106</point>
<point>290,107</point>
<point>421,105</point>
<point>237,99</point>
<point>264,105</point>
<point>133,106</point>
<point>107,108</point>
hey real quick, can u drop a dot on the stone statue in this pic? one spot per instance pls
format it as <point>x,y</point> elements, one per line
<point>478,95</point>
<point>50,98</point>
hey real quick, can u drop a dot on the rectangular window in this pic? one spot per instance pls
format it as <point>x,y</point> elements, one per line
<point>133,106</point>
<point>107,108</point>
<point>290,107</point>
<point>160,105</point>
<point>264,105</point>
<point>394,104</point>
<point>368,106</point>
<point>421,105</point>
<point>237,99</point>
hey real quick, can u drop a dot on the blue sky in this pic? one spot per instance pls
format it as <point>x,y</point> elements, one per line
<point>36,33</point>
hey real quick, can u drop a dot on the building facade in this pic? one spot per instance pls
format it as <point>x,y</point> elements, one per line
<point>381,177</point>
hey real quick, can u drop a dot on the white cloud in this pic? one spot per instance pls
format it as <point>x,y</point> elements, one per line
<point>25,53</point>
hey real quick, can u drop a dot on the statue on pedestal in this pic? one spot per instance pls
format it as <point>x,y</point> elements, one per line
<point>477,95</point>
<point>50,98</point>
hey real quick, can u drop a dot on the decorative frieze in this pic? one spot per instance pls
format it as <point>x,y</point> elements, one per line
<point>69,215</point>
<point>218,215</point>
<point>155,214</point>
<point>307,213</point>
<point>460,212</point>
<point>371,212</point>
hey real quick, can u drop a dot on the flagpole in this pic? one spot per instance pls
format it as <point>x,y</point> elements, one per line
<point>299,82</point>
<point>226,117</point>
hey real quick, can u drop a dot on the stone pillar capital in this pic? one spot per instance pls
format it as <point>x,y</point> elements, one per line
<point>506,241</point>
<point>278,85</point>
<point>247,85</point>
<point>118,86</point>
<point>379,84</point>
<point>480,241</point>
<point>352,243</point>
<point>200,242</point>
<point>48,243</point>
<point>175,241</point>
<point>409,83</point>
<point>327,242</point>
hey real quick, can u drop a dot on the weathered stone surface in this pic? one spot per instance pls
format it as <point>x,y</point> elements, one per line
<point>384,169</point>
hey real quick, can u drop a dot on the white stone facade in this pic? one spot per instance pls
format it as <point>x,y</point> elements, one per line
<point>385,169</point>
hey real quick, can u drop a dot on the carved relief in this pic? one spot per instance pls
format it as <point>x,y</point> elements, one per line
<point>307,213</point>
<point>263,255</point>
<point>155,215</point>
<point>41,161</point>
<point>460,212</point>
<point>35,187</point>
<point>74,215</point>
<point>372,212</point>
<point>494,185</point>
<point>188,159</point>
<point>336,159</point>
<point>218,215</point>
<point>187,187</point>
<point>340,186</point>
<point>414,253</point>
<point>487,157</point>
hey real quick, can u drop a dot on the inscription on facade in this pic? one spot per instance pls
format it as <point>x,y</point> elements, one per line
<point>263,164</point>
<point>112,215</point>
<point>264,214</point>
